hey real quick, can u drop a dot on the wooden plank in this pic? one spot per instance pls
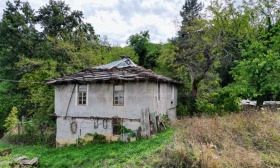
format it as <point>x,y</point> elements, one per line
<point>34,161</point>
<point>26,162</point>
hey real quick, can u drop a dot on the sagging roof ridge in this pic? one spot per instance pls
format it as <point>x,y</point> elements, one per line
<point>124,70</point>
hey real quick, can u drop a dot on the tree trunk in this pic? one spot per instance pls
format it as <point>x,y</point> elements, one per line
<point>194,90</point>
<point>260,101</point>
<point>192,98</point>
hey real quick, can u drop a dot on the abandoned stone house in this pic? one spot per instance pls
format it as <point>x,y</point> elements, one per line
<point>98,99</point>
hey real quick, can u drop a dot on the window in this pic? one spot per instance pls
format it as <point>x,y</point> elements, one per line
<point>158,91</point>
<point>82,94</point>
<point>173,92</point>
<point>116,122</point>
<point>118,95</point>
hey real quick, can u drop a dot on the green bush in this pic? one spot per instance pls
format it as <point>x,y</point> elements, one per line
<point>12,119</point>
<point>182,109</point>
<point>125,130</point>
<point>34,133</point>
<point>98,138</point>
<point>47,139</point>
<point>228,100</point>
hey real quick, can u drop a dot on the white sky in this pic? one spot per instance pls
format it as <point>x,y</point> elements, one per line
<point>118,19</point>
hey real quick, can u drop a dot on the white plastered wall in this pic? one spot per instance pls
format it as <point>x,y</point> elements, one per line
<point>138,97</point>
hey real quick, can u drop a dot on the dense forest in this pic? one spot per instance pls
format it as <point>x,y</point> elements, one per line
<point>222,53</point>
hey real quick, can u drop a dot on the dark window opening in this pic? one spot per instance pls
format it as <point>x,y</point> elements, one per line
<point>116,122</point>
<point>158,91</point>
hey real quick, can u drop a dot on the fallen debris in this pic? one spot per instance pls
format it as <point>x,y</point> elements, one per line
<point>6,152</point>
<point>24,161</point>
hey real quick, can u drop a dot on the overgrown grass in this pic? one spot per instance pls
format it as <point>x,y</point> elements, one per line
<point>134,154</point>
<point>247,139</point>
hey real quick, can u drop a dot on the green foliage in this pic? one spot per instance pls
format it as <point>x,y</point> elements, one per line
<point>81,141</point>
<point>196,52</point>
<point>12,119</point>
<point>8,99</point>
<point>110,54</point>
<point>147,52</point>
<point>227,100</point>
<point>125,130</point>
<point>59,21</point>
<point>165,61</point>
<point>233,28</point>
<point>207,94</point>
<point>232,55</point>
<point>257,73</point>
<point>47,139</point>
<point>35,132</point>
<point>97,138</point>
<point>18,36</point>
<point>238,44</point>
<point>135,154</point>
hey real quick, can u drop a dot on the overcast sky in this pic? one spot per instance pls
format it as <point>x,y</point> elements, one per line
<point>118,19</point>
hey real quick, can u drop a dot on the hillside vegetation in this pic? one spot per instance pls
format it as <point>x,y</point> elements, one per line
<point>223,52</point>
<point>247,139</point>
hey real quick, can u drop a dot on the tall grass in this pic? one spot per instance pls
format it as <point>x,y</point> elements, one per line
<point>118,154</point>
<point>247,139</point>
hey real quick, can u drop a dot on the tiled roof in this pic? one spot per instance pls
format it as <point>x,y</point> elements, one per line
<point>122,70</point>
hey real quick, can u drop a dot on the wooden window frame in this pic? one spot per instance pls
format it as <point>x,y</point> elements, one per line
<point>84,98</point>
<point>118,91</point>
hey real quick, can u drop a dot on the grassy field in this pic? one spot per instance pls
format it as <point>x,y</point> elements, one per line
<point>135,154</point>
<point>247,139</point>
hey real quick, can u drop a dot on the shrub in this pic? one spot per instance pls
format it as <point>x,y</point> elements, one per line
<point>34,132</point>
<point>125,130</point>
<point>228,100</point>
<point>97,138</point>
<point>12,119</point>
<point>47,139</point>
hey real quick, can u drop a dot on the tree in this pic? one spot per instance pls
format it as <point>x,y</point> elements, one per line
<point>147,52</point>
<point>257,73</point>
<point>195,54</point>
<point>28,57</point>
<point>234,27</point>
<point>12,120</point>
<point>165,61</point>
<point>18,37</point>
<point>57,20</point>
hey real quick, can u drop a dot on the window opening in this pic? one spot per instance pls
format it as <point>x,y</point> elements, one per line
<point>158,91</point>
<point>118,95</point>
<point>116,122</point>
<point>82,94</point>
<point>173,92</point>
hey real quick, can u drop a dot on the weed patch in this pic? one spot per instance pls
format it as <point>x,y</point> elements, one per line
<point>235,140</point>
